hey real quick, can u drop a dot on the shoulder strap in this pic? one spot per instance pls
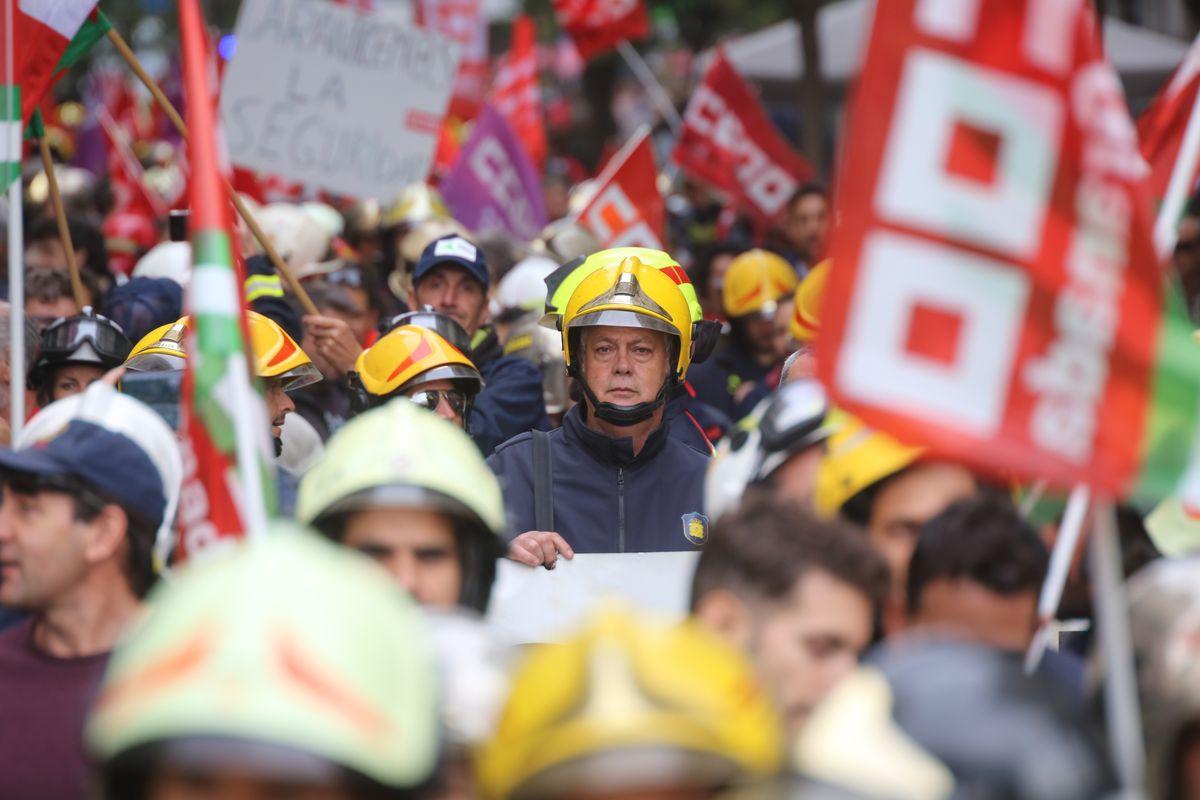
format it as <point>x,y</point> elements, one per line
<point>543,482</point>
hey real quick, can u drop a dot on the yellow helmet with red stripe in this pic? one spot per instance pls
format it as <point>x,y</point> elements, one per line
<point>410,355</point>
<point>755,283</point>
<point>276,354</point>
<point>805,322</point>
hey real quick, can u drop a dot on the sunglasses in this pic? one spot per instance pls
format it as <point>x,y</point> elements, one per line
<point>432,398</point>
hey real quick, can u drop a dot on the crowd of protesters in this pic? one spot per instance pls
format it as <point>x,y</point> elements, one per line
<point>858,615</point>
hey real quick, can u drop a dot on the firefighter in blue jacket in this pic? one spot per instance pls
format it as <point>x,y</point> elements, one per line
<point>452,277</point>
<point>611,479</point>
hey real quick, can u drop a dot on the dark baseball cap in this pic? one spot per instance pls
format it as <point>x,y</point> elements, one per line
<point>110,463</point>
<point>453,249</point>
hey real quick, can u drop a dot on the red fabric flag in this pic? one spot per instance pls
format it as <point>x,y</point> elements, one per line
<point>516,92</point>
<point>597,26</point>
<point>729,141</point>
<point>1160,127</point>
<point>42,32</point>
<point>627,210</point>
<point>995,293</point>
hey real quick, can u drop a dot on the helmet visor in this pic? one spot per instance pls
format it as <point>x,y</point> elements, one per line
<point>440,324</point>
<point>303,375</point>
<point>467,378</point>
<point>620,318</point>
<point>65,336</point>
<point>155,362</point>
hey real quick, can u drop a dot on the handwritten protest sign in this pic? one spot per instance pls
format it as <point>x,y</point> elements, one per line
<point>343,99</point>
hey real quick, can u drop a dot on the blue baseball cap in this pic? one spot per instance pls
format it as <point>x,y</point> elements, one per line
<point>110,463</point>
<point>456,250</point>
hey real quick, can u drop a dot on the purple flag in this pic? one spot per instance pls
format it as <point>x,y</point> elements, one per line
<point>493,185</point>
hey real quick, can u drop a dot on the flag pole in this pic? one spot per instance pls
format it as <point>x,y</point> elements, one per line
<point>16,239</point>
<point>169,109</point>
<point>64,230</point>
<point>1122,712</point>
<point>1179,185</point>
<point>645,75</point>
<point>1056,576</point>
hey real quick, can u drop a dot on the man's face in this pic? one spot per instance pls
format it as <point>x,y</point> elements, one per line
<point>443,408</point>
<point>971,611</point>
<point>73,379</point>
<point>59,307</point>
<point>624,366</point>
<point>46,254</point>
<point>171,783</point>
<point>451,290</point>
<point>362,319</point>
<point>906,503</point>
<point>807,642</point>
<point>807,224</point>
<point>279,405</point>
<point>41,548</point>
<point>758,332</point>
<point>417,547</point>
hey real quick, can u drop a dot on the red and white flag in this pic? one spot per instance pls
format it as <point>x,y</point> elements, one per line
<point>1161,126</point>
<point>42,30</point>
<point>516,92</point>
<point>728,140</point>
<point>995,294</point>
<point>464,22</point>
<point>627,210</point>
<point>597,26</point>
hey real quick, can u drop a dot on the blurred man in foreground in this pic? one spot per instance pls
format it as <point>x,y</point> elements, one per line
<point>799,596</point>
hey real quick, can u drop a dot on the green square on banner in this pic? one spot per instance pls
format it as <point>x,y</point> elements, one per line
<point>10,134</point>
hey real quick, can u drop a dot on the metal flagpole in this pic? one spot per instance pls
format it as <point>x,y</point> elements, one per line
<point>16,239</point>
<point>645,75</point>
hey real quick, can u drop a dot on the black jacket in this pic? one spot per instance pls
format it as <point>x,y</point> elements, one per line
<point>606,500</point>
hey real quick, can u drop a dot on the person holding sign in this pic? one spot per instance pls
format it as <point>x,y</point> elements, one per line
<point>611,479</point>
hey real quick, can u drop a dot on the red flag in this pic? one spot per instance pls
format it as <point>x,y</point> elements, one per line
<point>1160,127</point>
<point>729,141</point>
<point>516,92</point>
<point>627,210</point>
<point>995,293</point>
<point>598,26</point>
<point>464,22</point>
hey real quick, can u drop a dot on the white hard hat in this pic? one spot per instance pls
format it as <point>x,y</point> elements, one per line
<point>297,235</point>
<point>105,406</point>
<point>326,216</point>
<point>524,286</point>
<point>166,260</point>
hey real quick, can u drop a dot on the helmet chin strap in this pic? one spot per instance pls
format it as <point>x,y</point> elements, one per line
<point>625,416</point>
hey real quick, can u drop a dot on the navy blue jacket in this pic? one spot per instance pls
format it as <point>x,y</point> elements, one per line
<point>511,401</point>
<point>606,500</point>
<point>717,379</point>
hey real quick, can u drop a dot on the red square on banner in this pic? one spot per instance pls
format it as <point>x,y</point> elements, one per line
<point>933,333</point>
<point>973,153</point>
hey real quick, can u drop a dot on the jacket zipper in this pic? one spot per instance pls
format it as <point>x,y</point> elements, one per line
<point>620,510</point>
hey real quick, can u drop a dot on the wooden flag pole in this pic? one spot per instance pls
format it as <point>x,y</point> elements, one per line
<point>64,230</point>
<point>172,114</point>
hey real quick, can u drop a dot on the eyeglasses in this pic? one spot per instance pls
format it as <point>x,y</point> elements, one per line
<point>432,398</point>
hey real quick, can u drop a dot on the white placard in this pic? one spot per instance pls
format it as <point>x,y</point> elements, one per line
<point>328,95</point>
<point>534,604</point>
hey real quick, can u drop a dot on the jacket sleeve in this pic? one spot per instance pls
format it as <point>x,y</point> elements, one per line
<point>513,466</point>
<point>511,403</point>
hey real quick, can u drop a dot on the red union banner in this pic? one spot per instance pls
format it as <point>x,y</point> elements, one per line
<point>995,292</point>
<point>729,141</point>
<point>627,210</point>
<point>597,26</point>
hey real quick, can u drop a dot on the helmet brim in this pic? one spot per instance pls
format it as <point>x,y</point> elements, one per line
<point>621,318</point>
<point>449,372</point>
